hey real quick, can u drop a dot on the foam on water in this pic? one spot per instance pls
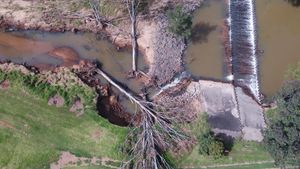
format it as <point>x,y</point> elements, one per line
<point>243,43</point>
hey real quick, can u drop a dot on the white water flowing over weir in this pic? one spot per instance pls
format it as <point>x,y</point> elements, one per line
<point>243,43</point>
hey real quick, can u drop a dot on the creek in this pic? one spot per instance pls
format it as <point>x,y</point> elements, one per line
<point>279,38</point>
<point>33,47</point>
<point>204,55</point>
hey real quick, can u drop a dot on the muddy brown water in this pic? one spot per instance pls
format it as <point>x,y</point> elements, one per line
<point>279,38</point>
<point>31,47</point>
<point>204,55</point>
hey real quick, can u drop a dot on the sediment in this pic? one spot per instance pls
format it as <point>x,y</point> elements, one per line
<point>164,51</point>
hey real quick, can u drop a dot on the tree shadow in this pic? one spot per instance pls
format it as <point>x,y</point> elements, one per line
<point>201,31</point>
<point>295,3</point>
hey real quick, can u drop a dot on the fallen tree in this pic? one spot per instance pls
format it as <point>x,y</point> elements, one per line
<point>155,132</point>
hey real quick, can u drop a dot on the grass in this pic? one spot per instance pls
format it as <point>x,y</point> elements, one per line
<point>271,115</point>
<point>89,167</point>
<point>251,166</point>
<point>36,133</point>
<point>241,152</point>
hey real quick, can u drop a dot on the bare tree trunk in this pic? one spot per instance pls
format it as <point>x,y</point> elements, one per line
<point>129,95</point>
<point>132,12</point>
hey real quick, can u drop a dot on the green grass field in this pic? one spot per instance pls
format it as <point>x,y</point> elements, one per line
<point>32,134</point>
<point>242,152</point>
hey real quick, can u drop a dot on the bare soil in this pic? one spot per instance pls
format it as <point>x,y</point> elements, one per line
<point>4,85</point>
<point>67,159</point>
<point>6,124</point>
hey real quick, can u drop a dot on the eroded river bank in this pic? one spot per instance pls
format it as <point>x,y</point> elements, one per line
<point>163,60</point>
<point>192,97</point>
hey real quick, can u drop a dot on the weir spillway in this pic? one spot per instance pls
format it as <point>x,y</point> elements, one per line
<point>243,43</point>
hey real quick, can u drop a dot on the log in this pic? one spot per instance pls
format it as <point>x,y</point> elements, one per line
<point>133,35</point>
<point>130,96</point>
<point>131,6</point>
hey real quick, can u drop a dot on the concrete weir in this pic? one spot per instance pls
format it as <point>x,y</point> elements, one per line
<point>230,110</point>
<point>243,43</point>
<point>233,109</point>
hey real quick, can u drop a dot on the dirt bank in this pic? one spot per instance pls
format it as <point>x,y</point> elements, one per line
<point>57,15</point>
<point>82,75</point>
<point>162,50</point>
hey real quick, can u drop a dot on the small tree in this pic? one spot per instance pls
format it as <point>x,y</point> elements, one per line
<point>210,146</point>
<point>282,137</point>
<point>180,23</point>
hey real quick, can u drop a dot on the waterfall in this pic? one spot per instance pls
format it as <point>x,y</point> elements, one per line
<point>175,82</point>
<point>244,45</point>
<point>230,76</point>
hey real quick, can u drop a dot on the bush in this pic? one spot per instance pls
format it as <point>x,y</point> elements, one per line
<point>216,149</point>
<point>180,23</point>
<point>209,145</point>
<point>204,142</point>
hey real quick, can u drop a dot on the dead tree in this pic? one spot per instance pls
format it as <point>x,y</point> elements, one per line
<point>155,131</point>
<point>132,10</point>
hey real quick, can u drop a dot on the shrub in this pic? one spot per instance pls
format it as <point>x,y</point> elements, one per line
<point>216,149</point>
<point>209,145</point>
<point>180,23</point>
<point>204,142</point>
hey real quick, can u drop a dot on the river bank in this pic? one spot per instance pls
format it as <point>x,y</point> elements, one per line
<point>163,53</point>
<point>73,87</point>
<point>154,39</point>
